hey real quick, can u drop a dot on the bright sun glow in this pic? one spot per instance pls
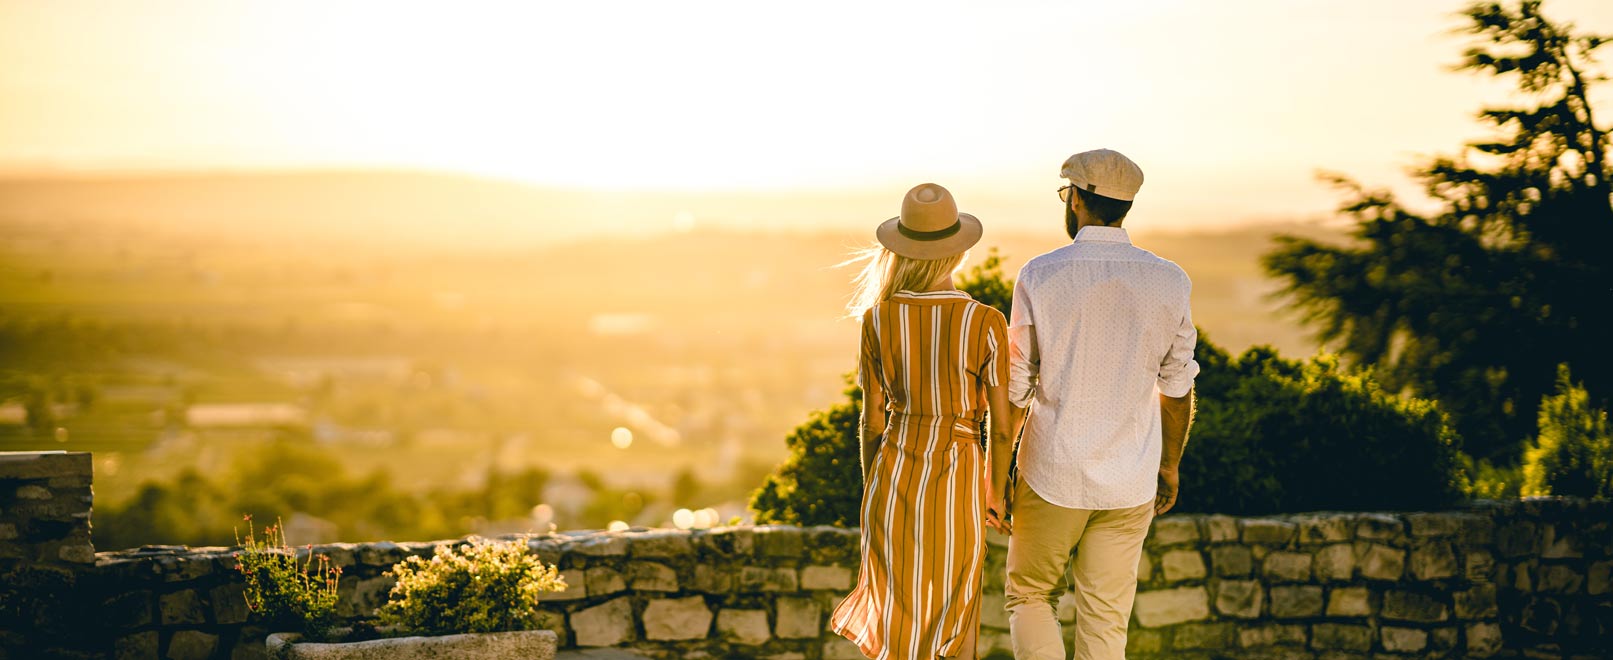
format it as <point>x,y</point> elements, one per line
<point>1238,102</point>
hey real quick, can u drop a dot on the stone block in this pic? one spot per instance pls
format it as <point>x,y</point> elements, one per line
<point>1221,529</point>
<point>1239,598</point>
<point>651,576</point>
<point>604,581</point>
<point>1140,642</point>
<point>1378,526</point>
<point>229,603</point>
<point>1433,560</point>
<point>1517,539</point>
<point>139,646</point>
<point>1436,525</point>
<point>710,579</point>
<point>830,578</point>
<point>181,607</point>
<point>1179,565</point>
<point>1335,563</point>
<point>601,545</point>
<point>799,618</point>
<point>1381,562</point>
<point>993,609</point>
<point>1479,566</point>
<point>127,610</point>
<point>728,542</point>
<point>1174,530</point>
<point>662,544</point>
<point>1286,567</point>
<point>1271,634</point>
<point>192,645</point>
<point>1341,637</point>
<point>1560,579</point>
<point>1403,640</point>
<point>380,553</point>
<point>756,578</point>
<point>1558,541</point>
<point>1349,602</point>
<point>1145,567</point>
<point>1213,636</point>
<point>1324,528</point>
<point>671,619</point>
<point>576,587</point>
<point>365,596</point>
<point>1443,639</point>
<point>748,627</point>
<point>607,624</point>
<point>8,531</point>
<point>779,542</point>
<point>1267,530</point>
<point>840,648</point>
<point>1166,607</point>
<point>1599,578</point>
<point>1482,640</point>
<point>1294,602</point>
<point>1231,560</point>
<point>1476,603</point>
<point>33,492</point>
<point>1401,605</point>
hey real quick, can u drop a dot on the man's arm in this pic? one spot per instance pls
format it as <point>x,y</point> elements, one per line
<point>1176,417</point>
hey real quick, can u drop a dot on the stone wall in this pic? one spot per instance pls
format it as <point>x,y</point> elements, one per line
<point>1516,579</point>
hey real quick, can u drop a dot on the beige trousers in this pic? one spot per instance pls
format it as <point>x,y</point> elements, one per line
<point>1106,545</point>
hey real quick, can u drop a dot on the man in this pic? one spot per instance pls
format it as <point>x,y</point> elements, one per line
<point>1102,341</point>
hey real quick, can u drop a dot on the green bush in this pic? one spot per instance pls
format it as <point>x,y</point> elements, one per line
<point>1574,453</point>
<point>1277,435</point>
<point>820,483</point>
<point>482,586</point>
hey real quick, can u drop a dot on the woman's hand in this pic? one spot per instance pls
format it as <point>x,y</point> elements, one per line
<point>997,516</point>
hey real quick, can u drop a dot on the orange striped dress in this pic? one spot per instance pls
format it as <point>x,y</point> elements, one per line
<point>923,546</point>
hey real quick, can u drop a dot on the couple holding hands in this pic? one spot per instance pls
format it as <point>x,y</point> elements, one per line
<point>1093,374</point>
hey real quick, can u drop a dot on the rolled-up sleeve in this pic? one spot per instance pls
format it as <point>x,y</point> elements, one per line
<point>1178,369</point>
<point>1024,360</point>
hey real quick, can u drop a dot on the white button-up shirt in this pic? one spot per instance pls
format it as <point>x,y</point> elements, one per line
<point>1100,329</point>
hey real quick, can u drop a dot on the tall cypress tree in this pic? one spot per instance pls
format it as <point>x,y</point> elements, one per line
<point>1477,304</point>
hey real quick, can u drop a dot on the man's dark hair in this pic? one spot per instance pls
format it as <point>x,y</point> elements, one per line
<point>1106,210</point>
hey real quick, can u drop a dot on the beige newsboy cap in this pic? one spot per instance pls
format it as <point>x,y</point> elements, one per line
<point>1104,172</point>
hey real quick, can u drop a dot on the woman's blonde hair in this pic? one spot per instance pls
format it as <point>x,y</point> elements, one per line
<point>884,273</point>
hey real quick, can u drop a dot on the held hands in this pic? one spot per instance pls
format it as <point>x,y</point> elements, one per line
<point>1169,483</point>
<point>997,517</point>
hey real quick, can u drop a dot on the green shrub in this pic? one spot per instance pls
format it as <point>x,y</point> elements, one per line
<point>283,592</point>
<point>1277,435</point>
<point>1574,453</point>
<point>820,483</point>
<point>481,586</point>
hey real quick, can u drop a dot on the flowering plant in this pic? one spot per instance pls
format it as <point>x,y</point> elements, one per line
<point>282,590</point>
<point>481,586</point>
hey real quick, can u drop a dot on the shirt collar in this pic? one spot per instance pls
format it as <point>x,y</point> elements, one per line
<point>1103,234</point>
<point>945,293</point>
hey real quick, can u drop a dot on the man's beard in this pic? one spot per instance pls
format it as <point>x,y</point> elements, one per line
<point>1071,223</point>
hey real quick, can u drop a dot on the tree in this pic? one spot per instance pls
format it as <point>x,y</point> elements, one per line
<point>1476,304</point>
<point>1574,453</point>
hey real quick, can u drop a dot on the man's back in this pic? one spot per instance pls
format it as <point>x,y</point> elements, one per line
<point>1108,328</point>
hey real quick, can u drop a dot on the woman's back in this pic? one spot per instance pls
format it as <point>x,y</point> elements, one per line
<point>934,353</point>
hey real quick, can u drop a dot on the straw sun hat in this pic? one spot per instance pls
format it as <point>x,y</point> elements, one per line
<point>930,226</point>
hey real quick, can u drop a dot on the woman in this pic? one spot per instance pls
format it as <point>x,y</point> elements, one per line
<point>933,359</point>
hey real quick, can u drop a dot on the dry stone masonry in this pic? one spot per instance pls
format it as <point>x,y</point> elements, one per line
<point>1516,579</point>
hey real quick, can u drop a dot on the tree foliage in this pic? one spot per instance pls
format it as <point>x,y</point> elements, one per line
<point>1477,303</point>
<point>1574,453</point>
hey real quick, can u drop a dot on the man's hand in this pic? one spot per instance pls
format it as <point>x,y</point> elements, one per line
<point>997,518</point>
<point>1168,484</point>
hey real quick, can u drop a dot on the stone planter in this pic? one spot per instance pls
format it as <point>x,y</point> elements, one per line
<point>515,645</point>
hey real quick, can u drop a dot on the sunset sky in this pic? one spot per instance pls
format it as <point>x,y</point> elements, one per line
<point>1230,107</point>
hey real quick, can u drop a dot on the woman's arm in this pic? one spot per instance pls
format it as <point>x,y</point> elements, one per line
<point>1005,420</point>
<point>873,423</point>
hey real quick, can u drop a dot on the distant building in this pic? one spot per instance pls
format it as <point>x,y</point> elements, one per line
<point>245,415</point>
